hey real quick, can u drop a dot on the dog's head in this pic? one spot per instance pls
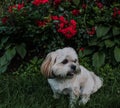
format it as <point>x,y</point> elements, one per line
<point>61,63</point>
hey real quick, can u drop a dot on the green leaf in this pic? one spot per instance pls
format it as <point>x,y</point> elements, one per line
<point>93,42</point>
<point>101,44</point>
<point>98,59</point>
<point>3,68</point>
<point>4,40</point>
<point>34,60</point>
<point>109,43</point>
<point>102,30</point>
<point>3,61</point>
<point>107,36</point>
<point>117,41</point>
<point>117,54</point>
<point>116,31</point>
<point>81,54</point>
<point>61,8</point>
<point>21,50</point>
<point>76,2</point>
<point>6,58</point>
<point>10,53</point>
<point>88,51</point>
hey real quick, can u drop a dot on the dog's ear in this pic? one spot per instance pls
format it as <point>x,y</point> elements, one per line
<point>46,67</point>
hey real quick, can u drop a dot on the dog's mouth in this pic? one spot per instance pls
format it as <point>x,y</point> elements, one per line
<point>71,73</point>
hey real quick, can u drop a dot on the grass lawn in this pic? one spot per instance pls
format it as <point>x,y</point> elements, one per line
<point>27,88</point>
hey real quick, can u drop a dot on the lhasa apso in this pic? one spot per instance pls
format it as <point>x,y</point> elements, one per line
<point>66,76</point>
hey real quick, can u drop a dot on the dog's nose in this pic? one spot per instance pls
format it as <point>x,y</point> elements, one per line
<point>73,67</point>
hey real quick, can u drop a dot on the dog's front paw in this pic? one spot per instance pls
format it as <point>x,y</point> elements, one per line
<point>72,103</point>
<point>83,101</point>
<point>71,106</point>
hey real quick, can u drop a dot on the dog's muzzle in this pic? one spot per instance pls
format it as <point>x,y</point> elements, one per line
<point>72,71</point>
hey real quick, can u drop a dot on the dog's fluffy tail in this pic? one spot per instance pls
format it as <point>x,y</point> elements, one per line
<point>98,82</point>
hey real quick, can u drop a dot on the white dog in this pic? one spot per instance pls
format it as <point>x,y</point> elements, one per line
<point>66,76</point>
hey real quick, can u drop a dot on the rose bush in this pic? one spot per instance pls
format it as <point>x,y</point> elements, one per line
<point>92,28</point>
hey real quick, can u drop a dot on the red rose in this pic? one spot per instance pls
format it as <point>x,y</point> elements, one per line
<point>10,9</point>
<point>71,32</point>
<point>56,2</point>
<point>99,5</point>
<point>82,49</point>
<point>39,2</point>
<point>20,6</point>
<point>118,12</point>
<point>62,19</point>
<point>61,25</point>
<point>73,23</point>
<point>68,29</point>
<point>84,6</point>
<point>114,9</point>
<point>41,23</point>
<point>54,17</point>
<point>75,12</point>
<point>17,6</point>
<point>4,20</point>
<point>92,31</point>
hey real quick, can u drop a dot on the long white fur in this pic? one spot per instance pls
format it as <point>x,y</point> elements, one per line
<point>82,84</point>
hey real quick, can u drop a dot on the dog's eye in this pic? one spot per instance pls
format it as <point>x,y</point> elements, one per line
<point>75,60</point>
<point>65,61</point>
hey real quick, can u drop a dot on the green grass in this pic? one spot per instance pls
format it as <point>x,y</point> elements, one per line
<point>27,88</point>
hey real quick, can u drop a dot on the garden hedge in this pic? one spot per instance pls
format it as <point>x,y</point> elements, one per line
<point>91,27</point>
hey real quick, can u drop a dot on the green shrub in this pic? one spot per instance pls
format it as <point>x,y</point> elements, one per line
<point>48,25</point>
